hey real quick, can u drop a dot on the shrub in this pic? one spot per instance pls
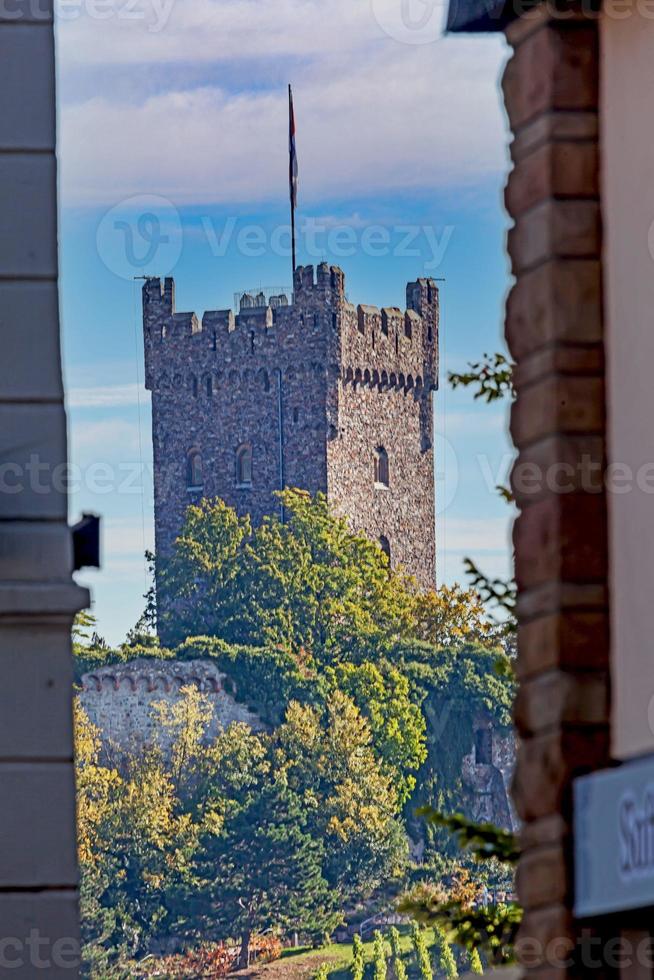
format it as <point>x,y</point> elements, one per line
<point>422,953</point>
<point>379,957</point>
<point>358,963</point>
<point>475,962</point>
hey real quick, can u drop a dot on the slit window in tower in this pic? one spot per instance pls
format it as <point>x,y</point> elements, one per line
<point>244,465</point>
<point>382,471</point>
<point>194,478</point>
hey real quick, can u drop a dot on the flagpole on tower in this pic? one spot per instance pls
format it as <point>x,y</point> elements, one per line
<point>292,169</point>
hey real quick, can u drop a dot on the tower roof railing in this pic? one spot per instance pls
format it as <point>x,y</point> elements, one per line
<point>259,296</point>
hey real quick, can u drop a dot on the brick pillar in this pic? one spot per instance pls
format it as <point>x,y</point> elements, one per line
<point>555,334</point>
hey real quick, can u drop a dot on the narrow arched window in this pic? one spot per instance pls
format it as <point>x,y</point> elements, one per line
<point>194,386</point>
<point>194,479</point>
<point>385,546</point>
<point>484,747</point>
<point>381,467</point>
<point>244,465</point>
<point>209,387</point>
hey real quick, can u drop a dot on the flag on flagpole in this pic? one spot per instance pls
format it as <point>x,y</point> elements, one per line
<point>292,154</point>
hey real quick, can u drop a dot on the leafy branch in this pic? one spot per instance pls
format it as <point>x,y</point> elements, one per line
<point>492,927</point>
<point>494,591</point>
<point>492,376</point>
<point>483,840</point>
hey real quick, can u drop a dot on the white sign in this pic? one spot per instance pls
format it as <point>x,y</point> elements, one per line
<point>614,839</point>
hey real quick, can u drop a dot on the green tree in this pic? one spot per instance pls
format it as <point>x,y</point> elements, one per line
<point>265,867</point>
<point>197,583</point>
<point>306,584</point>
<point>396,723</point>
<point>492,377</point>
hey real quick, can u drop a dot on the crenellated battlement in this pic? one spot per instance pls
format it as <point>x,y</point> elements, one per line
<point>317,322</point>
<point>122,700</point>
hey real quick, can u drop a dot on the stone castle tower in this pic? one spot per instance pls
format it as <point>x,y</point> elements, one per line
<point>315,393</point>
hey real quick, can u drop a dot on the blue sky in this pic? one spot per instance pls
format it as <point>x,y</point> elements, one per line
<point>172,148</point>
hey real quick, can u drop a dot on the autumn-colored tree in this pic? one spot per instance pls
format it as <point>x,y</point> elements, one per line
<point>183,725</point>
<point>330,762</point>
<point>396,723</point>
<point>133,847</point>
<point>452,616</point>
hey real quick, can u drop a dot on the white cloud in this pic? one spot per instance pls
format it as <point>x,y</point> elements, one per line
<point>373,114</point>
<point>450,567</point>
<point>198,31</point>
<point>462,423</point>
<point>107,396</point>
<point>106,438</point>
<point>472,536</point>
<point>126,539</point>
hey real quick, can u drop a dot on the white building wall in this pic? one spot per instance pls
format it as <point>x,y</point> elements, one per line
<point>627,145</point>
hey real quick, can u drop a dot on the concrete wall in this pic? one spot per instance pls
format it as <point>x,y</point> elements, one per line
<point>627,81</point>
<point>38,870</point>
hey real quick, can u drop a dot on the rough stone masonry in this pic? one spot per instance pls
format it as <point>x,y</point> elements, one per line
<point>315,393</point>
